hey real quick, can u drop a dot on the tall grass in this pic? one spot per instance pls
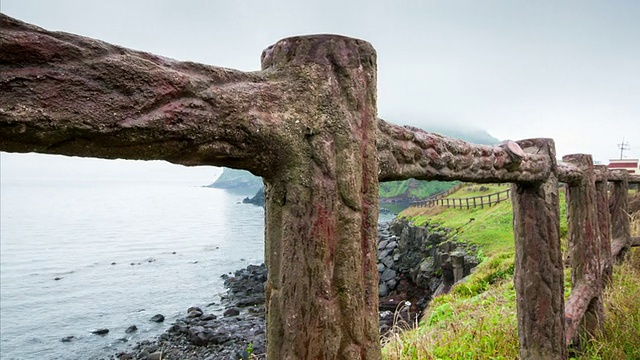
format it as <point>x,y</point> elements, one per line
<point>469,325</point>
<point>477,319</point>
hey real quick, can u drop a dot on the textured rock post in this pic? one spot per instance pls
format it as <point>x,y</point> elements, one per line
<point>584,312</point>
<point>620,226</point>
<point>307,124</point>
<point>538,268</point>
<point>604,223</point>
<point>322,207</point>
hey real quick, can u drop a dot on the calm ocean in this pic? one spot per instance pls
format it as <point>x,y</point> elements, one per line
<point>127,240</point>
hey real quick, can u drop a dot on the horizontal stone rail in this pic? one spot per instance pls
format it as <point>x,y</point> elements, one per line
<point>407,152</point>
<point>568,173</point>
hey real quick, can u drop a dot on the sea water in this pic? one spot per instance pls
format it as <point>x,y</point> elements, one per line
<point>110,247</point>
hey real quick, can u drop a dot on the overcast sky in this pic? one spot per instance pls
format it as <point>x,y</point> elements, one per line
<point>568,70</point>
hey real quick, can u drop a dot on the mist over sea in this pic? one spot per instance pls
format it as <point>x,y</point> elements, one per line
<point>126,239</point>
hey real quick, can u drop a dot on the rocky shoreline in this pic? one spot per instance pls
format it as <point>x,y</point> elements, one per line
<point>414,264</point>
<point>237,333</point>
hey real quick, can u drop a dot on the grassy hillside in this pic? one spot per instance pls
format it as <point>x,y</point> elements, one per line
<point>477,320</point>
<point>489,228</point>
<point>413,188</point>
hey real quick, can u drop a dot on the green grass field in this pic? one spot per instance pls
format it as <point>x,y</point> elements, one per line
<point>477,319</point>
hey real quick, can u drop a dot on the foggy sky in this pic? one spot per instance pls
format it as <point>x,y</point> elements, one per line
<point>568,70</point>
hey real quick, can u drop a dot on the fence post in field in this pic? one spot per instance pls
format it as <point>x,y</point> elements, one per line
<point>540,299</point>
<point>620,226</point>
<point>604,223</point>
<point>584,311</point>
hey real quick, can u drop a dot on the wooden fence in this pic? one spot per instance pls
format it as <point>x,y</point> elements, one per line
<point>465,203</point>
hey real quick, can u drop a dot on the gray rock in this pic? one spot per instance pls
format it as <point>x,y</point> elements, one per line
<point>194,308</point>
<point>207,317</point>
<point>427,265</point>
<point>380,267</point>
<point>100,331</point>
<point>383,290</point>
<point>197,335</point>
<point>388,274</point>
<point>383,244</point>
<point>383,253</point>
<point>391,284</point>
<point>392,245</point>
<point>231,312</point>
<point>155,355</point>
<point>387,261</point>
<point>157,318</point>
<point>150,349</point>
<point>131,329</point>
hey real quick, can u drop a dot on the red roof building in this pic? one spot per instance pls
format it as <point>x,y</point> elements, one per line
<point>631,165</point>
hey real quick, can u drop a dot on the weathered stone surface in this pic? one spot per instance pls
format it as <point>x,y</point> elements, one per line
<point>583,308</point>
<point>604,224</point>
<point>538,266</point>
<point>321,208</point>
<point>620,227</point>
<point>409,152</point>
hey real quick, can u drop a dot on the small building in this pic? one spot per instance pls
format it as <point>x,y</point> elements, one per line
<point>631,165</point>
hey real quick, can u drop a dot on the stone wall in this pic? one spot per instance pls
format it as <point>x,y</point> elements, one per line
<point>418,262</point>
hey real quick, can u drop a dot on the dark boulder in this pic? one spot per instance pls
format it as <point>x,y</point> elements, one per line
<point>100,331</point>
<point>157,318</point>
<point>131,329</point>
<point>67,338</point>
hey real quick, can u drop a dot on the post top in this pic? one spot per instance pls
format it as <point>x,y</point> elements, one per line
<point>323,49</point>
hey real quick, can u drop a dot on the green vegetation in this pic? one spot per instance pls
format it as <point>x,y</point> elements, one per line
<point>478,190</point>
<point>490,228</point>
<point>413,188</point>
<point>477,319</point>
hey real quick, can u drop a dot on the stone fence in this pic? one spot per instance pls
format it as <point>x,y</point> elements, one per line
<point>307,124</point>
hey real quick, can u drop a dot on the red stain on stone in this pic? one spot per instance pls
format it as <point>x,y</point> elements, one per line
<point>323,228</point>
<point>365,176</point>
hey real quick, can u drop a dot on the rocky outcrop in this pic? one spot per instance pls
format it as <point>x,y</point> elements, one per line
<point>418,262</point>
<point>257,199</point>
<point>237,180</point>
